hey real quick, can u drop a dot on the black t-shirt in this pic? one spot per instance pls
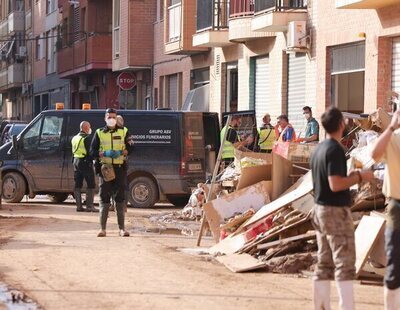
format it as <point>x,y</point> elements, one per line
<point>231,135</point>
<point>329,159</point>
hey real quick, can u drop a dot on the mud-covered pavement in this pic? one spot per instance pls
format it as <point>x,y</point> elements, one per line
<point>51,254</point>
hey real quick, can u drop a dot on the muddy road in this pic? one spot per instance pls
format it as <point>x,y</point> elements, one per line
<point>51,253</point>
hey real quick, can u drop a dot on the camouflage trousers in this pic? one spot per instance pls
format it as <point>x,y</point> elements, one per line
<point>336,247</point>
<point>392,245</point>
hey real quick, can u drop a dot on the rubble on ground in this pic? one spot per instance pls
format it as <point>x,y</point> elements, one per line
<point>277,234</point>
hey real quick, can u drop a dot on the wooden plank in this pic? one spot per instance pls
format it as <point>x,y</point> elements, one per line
<point>217,210</point>
<point>366,235</point>
<point>304,204</point>
<point>240,262</point>
<point>307,236</point>
<point>305,186</point>
<point>378,253</point>
<point>270,236</point>
<point>229,245</point>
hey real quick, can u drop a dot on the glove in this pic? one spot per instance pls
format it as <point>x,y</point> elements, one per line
<point>109,153</point>
<point>116,154</point>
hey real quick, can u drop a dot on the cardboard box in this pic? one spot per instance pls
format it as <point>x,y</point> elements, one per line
<point>295,152</point>
<point>217,210</point>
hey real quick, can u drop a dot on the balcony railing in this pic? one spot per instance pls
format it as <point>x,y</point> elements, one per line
<point>174,22</point>
<point>212,14</point>
<point>279,5</point>
<point>239,8</point>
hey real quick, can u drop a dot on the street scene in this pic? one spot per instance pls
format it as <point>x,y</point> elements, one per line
<point>161,154</point>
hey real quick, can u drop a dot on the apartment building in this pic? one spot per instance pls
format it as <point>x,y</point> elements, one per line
<point>13,59</point>
<point>48,87</point>
<point>84,53</point>
<point>256,66</point>
<point>179,66</point>
<point>358,53</point>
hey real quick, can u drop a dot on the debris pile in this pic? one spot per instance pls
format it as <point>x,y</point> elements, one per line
<point>265,221</point>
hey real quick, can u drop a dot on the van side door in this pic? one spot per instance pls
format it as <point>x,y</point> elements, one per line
<point>41,152</point>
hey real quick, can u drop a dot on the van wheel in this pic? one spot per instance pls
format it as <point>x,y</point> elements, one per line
<point>14,187</point>
<point>143,193</point>
<point>58,197</point>
<point>178,200</point>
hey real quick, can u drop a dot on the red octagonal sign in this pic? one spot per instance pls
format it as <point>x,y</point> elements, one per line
<point>126,80</point>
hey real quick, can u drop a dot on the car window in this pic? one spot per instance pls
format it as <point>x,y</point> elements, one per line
<point>31,137</point>
<point>51,132</point>
<point>45,134</point>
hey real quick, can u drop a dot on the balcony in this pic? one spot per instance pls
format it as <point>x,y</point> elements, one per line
<point>4,28</point>
<point>275,15</point>
<point>240,18</point>
<point>364,4</point>
<point>16,21</point>
<point>12,76</point>
<point>212,23</point>
<point>87,54</point>
<point>180,27</point>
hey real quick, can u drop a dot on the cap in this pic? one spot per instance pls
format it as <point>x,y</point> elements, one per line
<point>111,110</point>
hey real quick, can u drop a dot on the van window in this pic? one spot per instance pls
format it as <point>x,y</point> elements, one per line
<point>44,137</point>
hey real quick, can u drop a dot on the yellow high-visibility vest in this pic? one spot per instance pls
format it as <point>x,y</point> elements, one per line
<point>112,141</point>
<point>78,146</point>
<point>228,150</point>
<point>267,138</point>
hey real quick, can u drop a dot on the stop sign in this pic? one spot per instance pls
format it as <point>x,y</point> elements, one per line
<point>126,80</point>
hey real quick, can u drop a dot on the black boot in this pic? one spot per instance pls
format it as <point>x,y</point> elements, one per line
<point>78,199</point>
<point>89,200</point>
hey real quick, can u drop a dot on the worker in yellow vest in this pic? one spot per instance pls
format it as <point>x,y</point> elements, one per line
<point>110,145</point>
<point>266,135</point>
<point>233,140</point>
<point>83,168</point>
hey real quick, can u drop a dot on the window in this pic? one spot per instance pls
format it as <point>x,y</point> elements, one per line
<point>31,138</point>
<point>174,20</point>
<point>38,50</point>
<point>83,23</point>
<point>76,27</point>
<point>45,134</point>
<point>50,6</point>
<point>51,56</point>
<point>116,27</point>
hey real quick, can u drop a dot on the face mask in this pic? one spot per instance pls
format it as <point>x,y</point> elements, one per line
<point>90,131</point>
<point>111,122</point>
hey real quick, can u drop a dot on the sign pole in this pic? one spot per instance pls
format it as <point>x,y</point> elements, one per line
<point>126,99</point>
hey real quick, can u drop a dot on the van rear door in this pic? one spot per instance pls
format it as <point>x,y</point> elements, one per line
<point>193,153</point>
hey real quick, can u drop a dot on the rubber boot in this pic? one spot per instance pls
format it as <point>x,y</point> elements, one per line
<point>391,298</point>
<point>89,200</point>
<point>78,199</point>
<point>103,214</point>
<point>322,294</point>
<point>120,208</point>
<point>346,298</point>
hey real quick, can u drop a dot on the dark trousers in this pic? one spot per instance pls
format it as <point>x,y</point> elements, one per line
<point>392,245</point>
<point>83,170</point>
<point>114,188</point>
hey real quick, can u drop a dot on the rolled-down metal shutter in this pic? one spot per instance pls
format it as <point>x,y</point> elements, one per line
<point>396,65</point>
<point>297,92</point>
<point>262,89</point>
<point>173,91</point>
